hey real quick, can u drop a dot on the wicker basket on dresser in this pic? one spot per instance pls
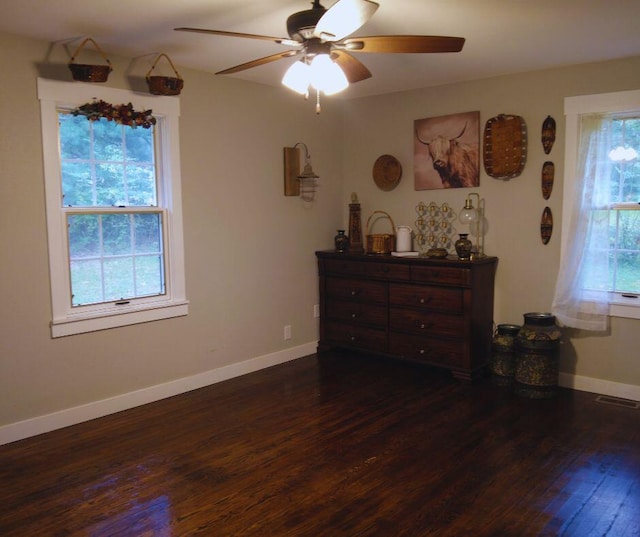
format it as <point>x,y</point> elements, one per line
<point>434,311</point>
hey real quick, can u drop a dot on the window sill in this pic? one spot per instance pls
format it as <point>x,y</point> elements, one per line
<point>80,325</point>
<point>630,311</point>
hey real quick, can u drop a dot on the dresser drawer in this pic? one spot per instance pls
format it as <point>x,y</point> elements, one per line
<point>388,271</point>
<point>441,275</point>
<point>427,297</point>
<point>357,312</point>
<point>356,336</point>
<point>426,322</point>
<point>441,352</point>
<point>357,290</point>
<point>343,266</point>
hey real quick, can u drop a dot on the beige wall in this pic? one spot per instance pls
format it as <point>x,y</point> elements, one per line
<point>250,266</point>
<point>527,269</point>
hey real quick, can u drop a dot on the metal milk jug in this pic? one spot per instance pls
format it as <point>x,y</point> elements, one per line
<point>403,239</point>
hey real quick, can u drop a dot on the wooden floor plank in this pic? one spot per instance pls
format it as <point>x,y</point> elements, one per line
<point>344,445</point>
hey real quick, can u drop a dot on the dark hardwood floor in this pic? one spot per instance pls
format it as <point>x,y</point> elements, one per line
<point>343,445</point>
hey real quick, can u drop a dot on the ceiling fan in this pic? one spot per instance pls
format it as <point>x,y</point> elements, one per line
<point>320,36</point>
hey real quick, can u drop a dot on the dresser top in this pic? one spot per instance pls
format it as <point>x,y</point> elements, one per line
<point>450,260</point>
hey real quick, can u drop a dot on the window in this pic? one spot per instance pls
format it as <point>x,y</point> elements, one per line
<point>114,214</point>
<point>600,266</point>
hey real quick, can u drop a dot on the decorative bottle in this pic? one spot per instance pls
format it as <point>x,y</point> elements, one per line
<point>341,241</point>
<point>463,246</point>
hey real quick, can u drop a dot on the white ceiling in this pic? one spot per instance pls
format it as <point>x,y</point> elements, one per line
<point>503,36</point>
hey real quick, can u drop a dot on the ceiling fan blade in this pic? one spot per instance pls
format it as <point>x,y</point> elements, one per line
<point>259,61</point>
<point>354,69</point>
<point>343,18</point>
<point>403,43</point>
<point>280,40</point>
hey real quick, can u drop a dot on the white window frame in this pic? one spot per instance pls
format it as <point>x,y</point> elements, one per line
<point>67,320</point>
<point>574,107</point>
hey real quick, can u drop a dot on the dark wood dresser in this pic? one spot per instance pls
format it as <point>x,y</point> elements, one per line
<point>435,311</point>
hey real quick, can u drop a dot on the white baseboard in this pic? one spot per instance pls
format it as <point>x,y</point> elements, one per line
<point>599,386</point>
<point>96,409</point>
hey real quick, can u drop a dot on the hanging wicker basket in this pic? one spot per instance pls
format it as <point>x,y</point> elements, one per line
<point>380,243</point>
<point>89,73</point>
<point>164,85</point>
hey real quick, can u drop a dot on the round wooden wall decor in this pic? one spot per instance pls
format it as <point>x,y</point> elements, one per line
<point>387,172</point>
<point>504,146</point>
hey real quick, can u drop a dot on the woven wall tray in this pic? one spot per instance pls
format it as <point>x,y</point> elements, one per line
<point>505,146</point>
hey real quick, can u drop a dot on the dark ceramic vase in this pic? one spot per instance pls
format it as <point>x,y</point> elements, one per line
<point>463,246</point>
<point>341,241</point>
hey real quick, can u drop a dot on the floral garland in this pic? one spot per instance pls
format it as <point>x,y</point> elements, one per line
<point>124,114</point>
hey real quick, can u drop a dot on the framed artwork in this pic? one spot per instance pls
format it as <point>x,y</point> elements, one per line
<point>447,151</point>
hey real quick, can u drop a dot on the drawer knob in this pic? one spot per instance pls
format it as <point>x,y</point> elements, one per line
<point>423,300</point>
<point>353,338</point>
<point>354,315</point>
<point>355,292</point>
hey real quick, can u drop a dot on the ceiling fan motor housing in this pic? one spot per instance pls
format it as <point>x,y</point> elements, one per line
<point>300,25</point>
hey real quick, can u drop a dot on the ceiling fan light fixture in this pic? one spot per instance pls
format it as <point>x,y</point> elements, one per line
<point>326,75</point>
<point>298,77</point>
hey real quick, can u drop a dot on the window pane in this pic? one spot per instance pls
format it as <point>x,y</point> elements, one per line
<point>110,186</point>
<point>104,164</point>
<point>118,278</point>
<point>115,256</point>
<point>629,229</point>
<point>141,191</point>
<point>627,255</point>
<point>77,184</point>
<point>74,137</point>
<point>628,273</point>
<point>86,282</point>
<point>148,236</point>
<point>84,236</point>
<point>149,275</point>
<point>107,140</point>
<point>116,234</point>
<point>139,145</point>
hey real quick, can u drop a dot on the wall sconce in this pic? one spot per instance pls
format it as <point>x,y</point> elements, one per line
<point>299,183</point>
<point>474,216</point>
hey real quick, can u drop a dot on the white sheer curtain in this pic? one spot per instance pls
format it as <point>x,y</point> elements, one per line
<point>581,299</point>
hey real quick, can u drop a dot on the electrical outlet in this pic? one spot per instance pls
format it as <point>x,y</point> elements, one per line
<point>316,311</point>
<point>287,331</point>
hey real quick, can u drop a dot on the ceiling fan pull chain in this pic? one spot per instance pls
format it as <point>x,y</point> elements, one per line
<point>317,101</point>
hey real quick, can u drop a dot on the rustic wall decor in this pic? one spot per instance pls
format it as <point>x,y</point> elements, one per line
<point>435,227</point>
<point>164,85</point>
<point>387,172</point>
<point>546,225</point>
<point>548,134</point>
<point>446,151</point>
<point>505,146</point>
<point>86,72</point>
<point>548,175</point>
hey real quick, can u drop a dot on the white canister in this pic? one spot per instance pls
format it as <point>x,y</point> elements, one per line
<point>403,239</point>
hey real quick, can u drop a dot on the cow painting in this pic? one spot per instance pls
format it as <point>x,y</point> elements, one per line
<point>447,151</point>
